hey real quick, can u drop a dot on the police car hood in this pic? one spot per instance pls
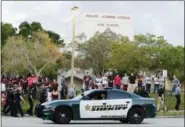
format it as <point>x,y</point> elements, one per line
<point>57,101</point>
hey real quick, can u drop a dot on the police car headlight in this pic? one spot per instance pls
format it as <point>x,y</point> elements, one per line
<point>49,107</point>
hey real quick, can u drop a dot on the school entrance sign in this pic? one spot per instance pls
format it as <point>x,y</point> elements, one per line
<point>87,24</point>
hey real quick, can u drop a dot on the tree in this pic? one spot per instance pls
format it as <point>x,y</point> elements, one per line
<point>7,31</point>
<point>25,29</point>
<point>95,53</point>
<point>146,52</point>
<point>172,59</point>
<point>36,26</point>
<point>56,38</point>
<point>33,54</point>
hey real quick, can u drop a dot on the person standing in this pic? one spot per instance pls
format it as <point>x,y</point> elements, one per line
<point>91,84</point>
<point>139,83</point>
<point>132,81</point>
<point>43,94</point>
<point>125,81</point>
<point>24,84</point>
<point>156,84</point>
<point>64,91</point>
<point>160,101</point>
<point>175,83</point>
<point>110,79</point>
<point>30,101</point>
<point>9,102</point>
<point>99,81</point>
<point>148,81</point>
<point>54,93</point>
<point>117,81</point>
<point>178,96</point>
<point>104,81</point>
<point>47,83</point>
<point>61,86</point>
<point>49,94</point>
<point>18,100</point>
<point>86,81</point>
<point>54,84</point>
<point>72,92</point>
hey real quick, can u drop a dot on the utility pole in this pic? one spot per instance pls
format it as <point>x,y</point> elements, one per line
<point>73,44</point>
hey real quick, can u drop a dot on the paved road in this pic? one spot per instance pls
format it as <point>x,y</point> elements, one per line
<point>34,122</point>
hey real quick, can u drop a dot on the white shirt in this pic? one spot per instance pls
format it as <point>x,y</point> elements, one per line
<point>98,81</point>
<point>3,87</point>
<point>148,80</point>
<point>104,80</point>
<point>156,81</point>
<point>125,80</point>
<point>49,96</point>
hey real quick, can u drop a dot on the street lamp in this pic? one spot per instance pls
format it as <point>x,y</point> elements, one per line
<point>73,44</point>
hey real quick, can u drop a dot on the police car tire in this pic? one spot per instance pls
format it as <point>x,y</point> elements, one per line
<point>65,119</point>
<point>139,112</point>
<point>124,120</point>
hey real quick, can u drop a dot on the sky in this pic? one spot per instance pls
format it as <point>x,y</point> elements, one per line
<point>162,18</point>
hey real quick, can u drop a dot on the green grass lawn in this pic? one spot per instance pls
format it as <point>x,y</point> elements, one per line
<point>26,106</point>
<point>170,113</point>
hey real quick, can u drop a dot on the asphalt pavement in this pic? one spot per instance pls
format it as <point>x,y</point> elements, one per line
<point>35,122</point>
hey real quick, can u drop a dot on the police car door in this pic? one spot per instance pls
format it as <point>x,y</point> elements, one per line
<point>92,105</point>
<point>120,102</point>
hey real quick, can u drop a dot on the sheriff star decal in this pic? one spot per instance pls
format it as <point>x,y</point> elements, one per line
<point>87,107</point>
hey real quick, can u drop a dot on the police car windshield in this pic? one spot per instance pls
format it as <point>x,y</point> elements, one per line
<point>80,96</point>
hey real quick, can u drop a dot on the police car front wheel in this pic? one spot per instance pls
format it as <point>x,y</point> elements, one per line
<point>62,115</point>
<point>136,115</point>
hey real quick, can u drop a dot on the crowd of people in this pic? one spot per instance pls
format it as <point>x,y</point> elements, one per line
<point>130,83</point>
<point>138,84</point>
<point>17,88</point>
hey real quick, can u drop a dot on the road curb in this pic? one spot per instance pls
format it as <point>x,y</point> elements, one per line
<point>181,116</point>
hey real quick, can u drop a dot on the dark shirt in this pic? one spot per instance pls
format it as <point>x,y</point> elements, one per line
<point>18,97</point>
<point>110,79</point>
<point>87,79</point>
<point>64,91</point>
<point>46,83</point>
<point>132,79</point>
<point>140,82</point>
<point>160,92</point>
<point>54,85</point>
<point>10,96</point>
<point>54,97</point>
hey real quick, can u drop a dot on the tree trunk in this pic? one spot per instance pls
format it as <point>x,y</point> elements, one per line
<point>37,75</point>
